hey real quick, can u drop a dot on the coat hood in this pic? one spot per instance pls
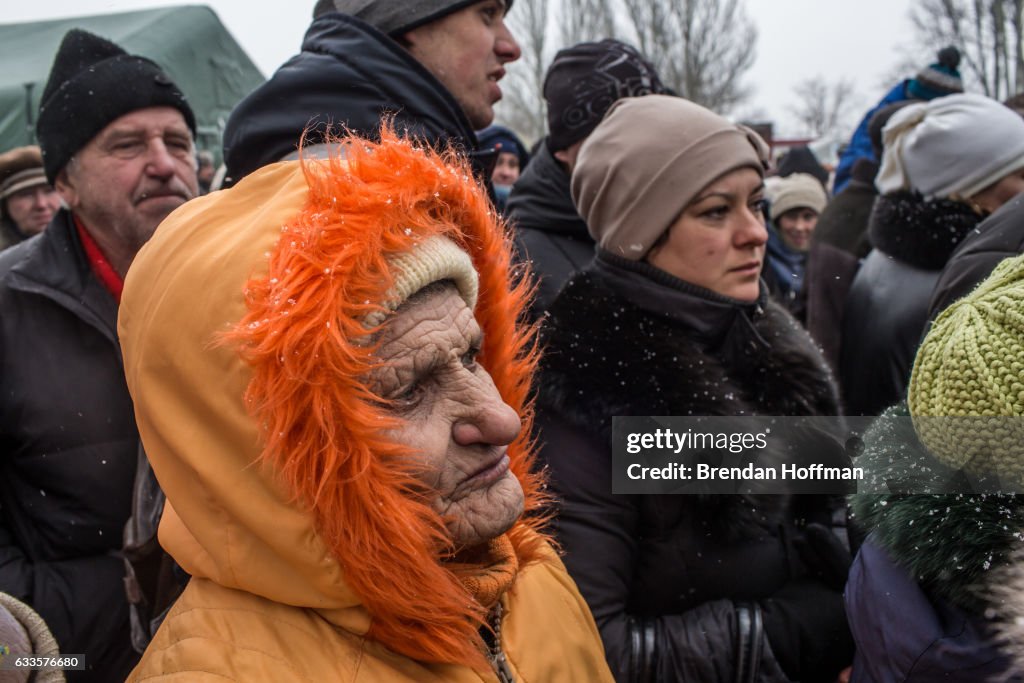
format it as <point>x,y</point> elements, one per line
<point>349,75</point>
<point>246,355</point>
<point>541,199</point>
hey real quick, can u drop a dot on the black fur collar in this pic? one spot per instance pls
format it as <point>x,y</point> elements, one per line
<point>922,233</point>
<point>607,356</point>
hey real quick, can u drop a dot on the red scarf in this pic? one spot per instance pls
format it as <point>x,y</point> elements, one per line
<point>100,266</point>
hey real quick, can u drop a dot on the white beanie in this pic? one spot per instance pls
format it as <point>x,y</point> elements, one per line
<point>950,146</point>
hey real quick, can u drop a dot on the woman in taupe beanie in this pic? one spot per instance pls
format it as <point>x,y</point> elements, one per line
<point>671,318</point>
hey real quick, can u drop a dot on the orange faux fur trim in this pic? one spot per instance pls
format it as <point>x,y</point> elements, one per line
<point>322,425</point>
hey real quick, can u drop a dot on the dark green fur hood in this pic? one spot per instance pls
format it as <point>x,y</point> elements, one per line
<point>951,543</point>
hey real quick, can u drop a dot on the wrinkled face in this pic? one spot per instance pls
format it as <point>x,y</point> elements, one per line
<point>466,51</point>
<point>132,174</point>
<point>453,414</point>
<point>718,240</point>
<point>796,227</point>
<point>506,171</point>
<point>32,208</point>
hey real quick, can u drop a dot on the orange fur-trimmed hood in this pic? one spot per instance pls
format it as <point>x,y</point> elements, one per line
<point>244,349</point>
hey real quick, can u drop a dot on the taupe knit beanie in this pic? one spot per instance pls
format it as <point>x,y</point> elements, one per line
<point>966,391</point>
<point>647,160</point>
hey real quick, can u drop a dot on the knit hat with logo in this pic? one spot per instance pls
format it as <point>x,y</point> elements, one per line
<point>585,80</point>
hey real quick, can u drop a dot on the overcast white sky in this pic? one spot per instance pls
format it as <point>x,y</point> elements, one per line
<point>797,39</point>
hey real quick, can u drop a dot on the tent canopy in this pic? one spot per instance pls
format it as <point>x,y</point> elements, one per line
<point>189,42</point>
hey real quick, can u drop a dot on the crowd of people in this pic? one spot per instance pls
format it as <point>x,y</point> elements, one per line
<point>349,417</point>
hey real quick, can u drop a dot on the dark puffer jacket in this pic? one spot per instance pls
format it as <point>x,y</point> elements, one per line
<point>348,73</point>
<point>998,237</point>
<point>69,444</point>
<point>887,306</point>
<point>920,587</point>
<point>669,578</point>
<point>549,233</point>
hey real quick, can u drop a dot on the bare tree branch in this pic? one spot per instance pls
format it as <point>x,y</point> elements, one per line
<point>522,108</point>
<point>823,108</point>
<point>988,34</point>
<point>700,48</point>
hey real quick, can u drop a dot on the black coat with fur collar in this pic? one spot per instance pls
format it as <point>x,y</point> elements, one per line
<point>887,307</point>
<point>627,339</point>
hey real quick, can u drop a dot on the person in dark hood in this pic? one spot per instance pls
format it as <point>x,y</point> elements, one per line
<point>581,84</point>
<point>434,65</point>
<point>947,164</point>
<point>672,318</point>
<point>802,160</point>
<point>512,158</point>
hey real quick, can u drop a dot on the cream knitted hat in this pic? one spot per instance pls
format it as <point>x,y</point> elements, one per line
<point>797,191</point>
<point>432,260</point>
<point>966,391</point>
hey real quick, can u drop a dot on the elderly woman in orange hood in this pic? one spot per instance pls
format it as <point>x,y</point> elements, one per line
<point>332,390</point>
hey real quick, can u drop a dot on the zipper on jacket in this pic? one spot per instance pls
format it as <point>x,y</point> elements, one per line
<point>498,660</point>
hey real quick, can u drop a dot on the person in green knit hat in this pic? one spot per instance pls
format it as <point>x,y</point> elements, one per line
<point>921,589</point>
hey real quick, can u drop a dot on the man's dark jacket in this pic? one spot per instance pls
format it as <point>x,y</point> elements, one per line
<point>998,237</point>
<point>549,232</point>
<point>348,73</point>
<point>68,447</point>
<point>887,308</point>
<point>844,222</point>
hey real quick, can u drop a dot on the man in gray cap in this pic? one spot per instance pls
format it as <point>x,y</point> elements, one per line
<point>434,65</point>
<point>117,143</point>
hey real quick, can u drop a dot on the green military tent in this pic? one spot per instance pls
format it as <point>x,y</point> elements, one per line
<point>188,41</point>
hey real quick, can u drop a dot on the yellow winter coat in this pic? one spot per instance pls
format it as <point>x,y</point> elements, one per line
<point>268,499</point>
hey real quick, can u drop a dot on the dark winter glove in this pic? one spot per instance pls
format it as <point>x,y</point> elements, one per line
<point>806,627</point>
<point>824,555</point>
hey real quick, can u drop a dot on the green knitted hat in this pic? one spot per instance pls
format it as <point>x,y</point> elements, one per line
<point>968,371</point>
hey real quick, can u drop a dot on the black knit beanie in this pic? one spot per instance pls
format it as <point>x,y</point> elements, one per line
<point>94,82</point>
<point>585,80</point>
<point>392,17</point>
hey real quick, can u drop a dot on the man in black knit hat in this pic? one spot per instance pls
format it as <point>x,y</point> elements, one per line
<point>434,65</point>
<point>117,143</point>
<point>581,84</point>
